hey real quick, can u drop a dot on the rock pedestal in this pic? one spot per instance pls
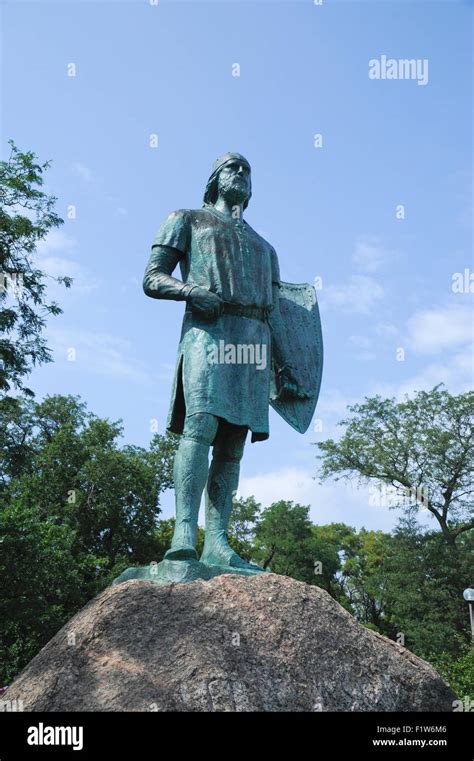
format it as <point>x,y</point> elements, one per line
<point>234,643</point>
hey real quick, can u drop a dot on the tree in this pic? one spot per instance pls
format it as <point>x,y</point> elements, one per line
<point>423,583</point>
<point>43,584</point>
<point>242,524</point>
<point>284,541</point>
<point>422,448</point>
<point>352,572</point>
<point>327,545</point>
<point>15,441</point>
<point>76,511</point>
<point>26,216</point>
<point>458,672</point>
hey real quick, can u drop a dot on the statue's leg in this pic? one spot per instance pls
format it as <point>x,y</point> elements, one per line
<point>191,466</point>
<point>221,488</point>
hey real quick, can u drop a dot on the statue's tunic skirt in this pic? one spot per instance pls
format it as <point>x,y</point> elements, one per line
<point>230,259</point>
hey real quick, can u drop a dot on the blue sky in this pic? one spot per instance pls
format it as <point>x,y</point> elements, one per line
<point>330,212</point>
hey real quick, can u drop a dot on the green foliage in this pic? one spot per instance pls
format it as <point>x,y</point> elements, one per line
<point>241,529</point>
<point>76,511</point>
<point>41,583</point>
<point>162,536</point>
<point>26,216</point>
<point>458,672</point>
<point>328,542</point>
<point>285,543</point>
<point>422,447</point>
<point>358,581</point>
<point>424,579</point>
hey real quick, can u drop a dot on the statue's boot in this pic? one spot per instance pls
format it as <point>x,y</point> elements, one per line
<point>221,486</point>
<point>190,473</point>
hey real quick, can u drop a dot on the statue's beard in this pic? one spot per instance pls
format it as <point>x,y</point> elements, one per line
<point>234,191</point>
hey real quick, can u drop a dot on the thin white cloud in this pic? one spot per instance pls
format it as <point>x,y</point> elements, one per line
<point>289,483</point>
<point>431,331</point>
<point>330,502</point>
<point>363,346</point>
<point>97,353</point>
<point>362,291</point>
<point>358,296</point>
<point>56,240</point>
<point>56,266</point>
<point>386,331</point>
<point>369,255</point>
<point>457,374</point>
<point>53,264</point>
<point>333,402</point>
<point>361,342</point>
<point>82,171</point>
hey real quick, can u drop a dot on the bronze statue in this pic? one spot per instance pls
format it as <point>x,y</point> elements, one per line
<point>237,354</point>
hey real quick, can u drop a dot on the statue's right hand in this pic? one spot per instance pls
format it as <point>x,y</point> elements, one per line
<point>205,303</point>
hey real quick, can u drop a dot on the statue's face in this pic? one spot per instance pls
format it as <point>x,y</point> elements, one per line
<point>233,182</point>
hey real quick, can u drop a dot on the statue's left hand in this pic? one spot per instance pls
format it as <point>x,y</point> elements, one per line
<point>289,386</point>
<point>205,303</point>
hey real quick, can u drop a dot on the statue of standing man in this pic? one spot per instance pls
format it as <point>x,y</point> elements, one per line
<point>232,333</point>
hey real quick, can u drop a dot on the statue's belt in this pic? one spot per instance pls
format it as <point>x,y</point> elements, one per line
<point>242,310</point>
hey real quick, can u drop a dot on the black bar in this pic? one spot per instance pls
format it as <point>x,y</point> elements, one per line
<point>446,735</point>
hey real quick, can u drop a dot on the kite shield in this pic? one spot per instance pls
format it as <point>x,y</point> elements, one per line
<point>303,342</point>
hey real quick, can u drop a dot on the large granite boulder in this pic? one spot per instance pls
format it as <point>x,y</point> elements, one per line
<point>235,643</point>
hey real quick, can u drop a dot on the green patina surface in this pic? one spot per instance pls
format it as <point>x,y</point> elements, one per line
<point>230,282</point>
